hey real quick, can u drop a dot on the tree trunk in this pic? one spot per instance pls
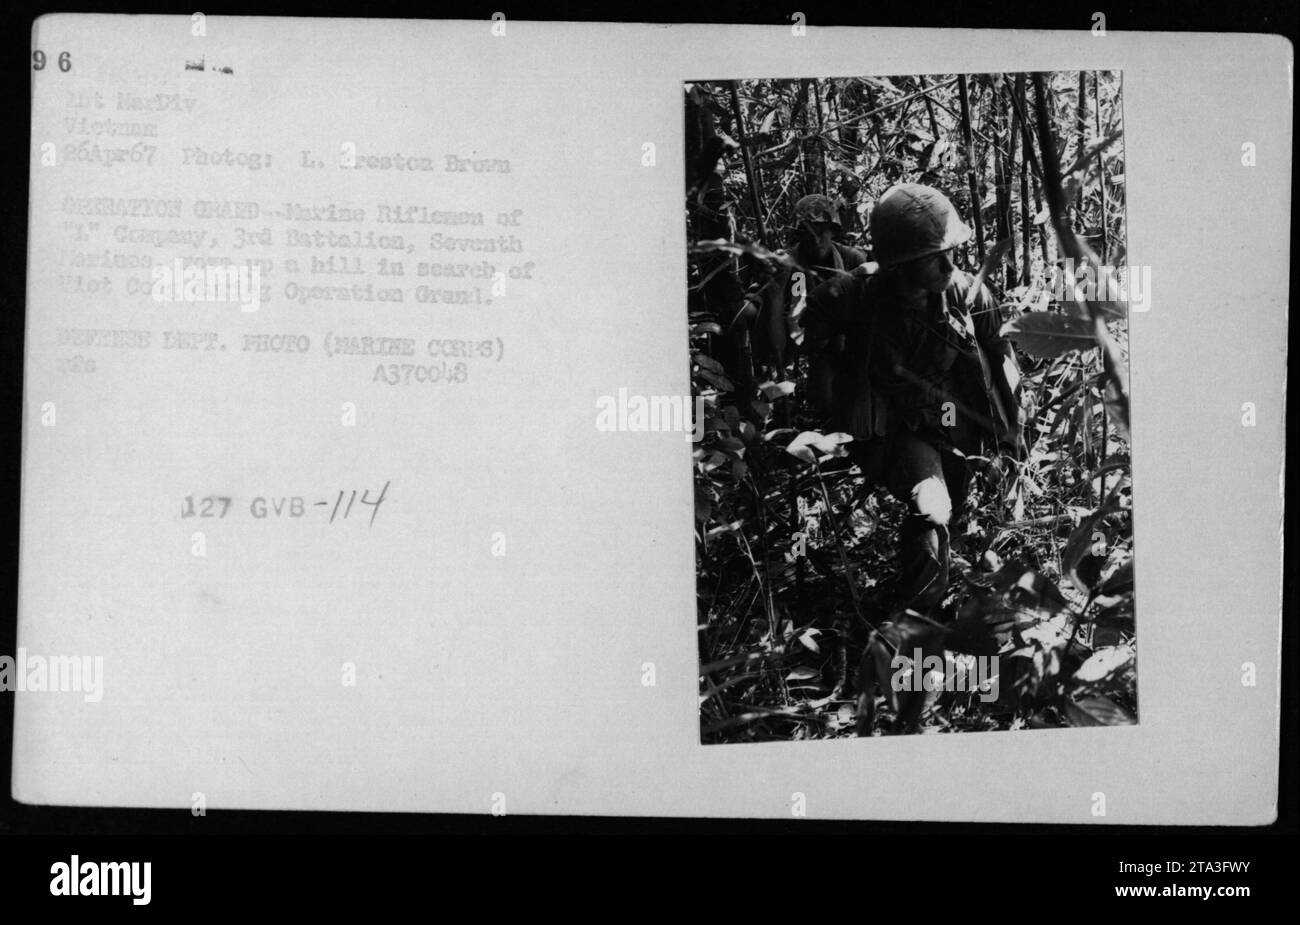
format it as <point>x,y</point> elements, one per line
<point>929,108</point>
<point>1083,140</point>
<point>1000,135</point>
<point>751,169</point>
<point>1026,219</point>
<point>819,142</point>
<point>1112,362</point>
<point>970,167</point>
<point>1101,167</point>
<point>1027,143</point>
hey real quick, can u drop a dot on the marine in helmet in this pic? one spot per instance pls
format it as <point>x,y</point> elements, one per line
<point>818,257</point>
<point>924,380</point>
<point>814,224</point>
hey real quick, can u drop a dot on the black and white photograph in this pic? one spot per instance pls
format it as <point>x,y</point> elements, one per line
<point>368,479</point>
<point>908,305</point>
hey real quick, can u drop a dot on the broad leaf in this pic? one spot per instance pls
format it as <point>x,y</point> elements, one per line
<point>1120,581</point>
<point>1079,548</point>
<point>803,446</point>
<point>1098,711</point>
<point>1048,334</point>
<point>774,390</point>
<point>1105,662</point>
<point>1116,409</point>
<point>1027,588</point>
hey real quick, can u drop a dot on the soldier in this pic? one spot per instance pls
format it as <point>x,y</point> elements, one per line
<point>778,303</point>
<point>814,226</point>
<point>924,380</point>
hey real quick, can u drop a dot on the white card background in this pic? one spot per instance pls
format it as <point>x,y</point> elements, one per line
<point>521,674</point>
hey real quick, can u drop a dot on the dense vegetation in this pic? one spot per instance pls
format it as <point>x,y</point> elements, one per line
<point>794,551</point>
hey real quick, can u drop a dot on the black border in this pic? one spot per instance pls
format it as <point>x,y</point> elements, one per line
<point>68,826</point>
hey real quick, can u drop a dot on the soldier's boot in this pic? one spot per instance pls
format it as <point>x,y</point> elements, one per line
<point>924,554</point>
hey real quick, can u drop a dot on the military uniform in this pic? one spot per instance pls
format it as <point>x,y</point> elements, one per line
<point>780,305</point>
<point>920,387</point>
<point>781,300</point>
<point>929,372</point>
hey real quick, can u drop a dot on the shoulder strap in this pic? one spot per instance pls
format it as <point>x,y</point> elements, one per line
<point>867,308</point>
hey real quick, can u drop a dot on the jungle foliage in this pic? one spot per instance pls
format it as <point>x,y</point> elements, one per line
<point>794,550</point>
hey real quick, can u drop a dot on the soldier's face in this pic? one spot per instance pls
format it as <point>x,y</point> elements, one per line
<point>814,237</point>
<point>931,273</point>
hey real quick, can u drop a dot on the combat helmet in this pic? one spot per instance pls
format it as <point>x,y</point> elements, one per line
<point>815,208</point>
<point>912,221</point>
